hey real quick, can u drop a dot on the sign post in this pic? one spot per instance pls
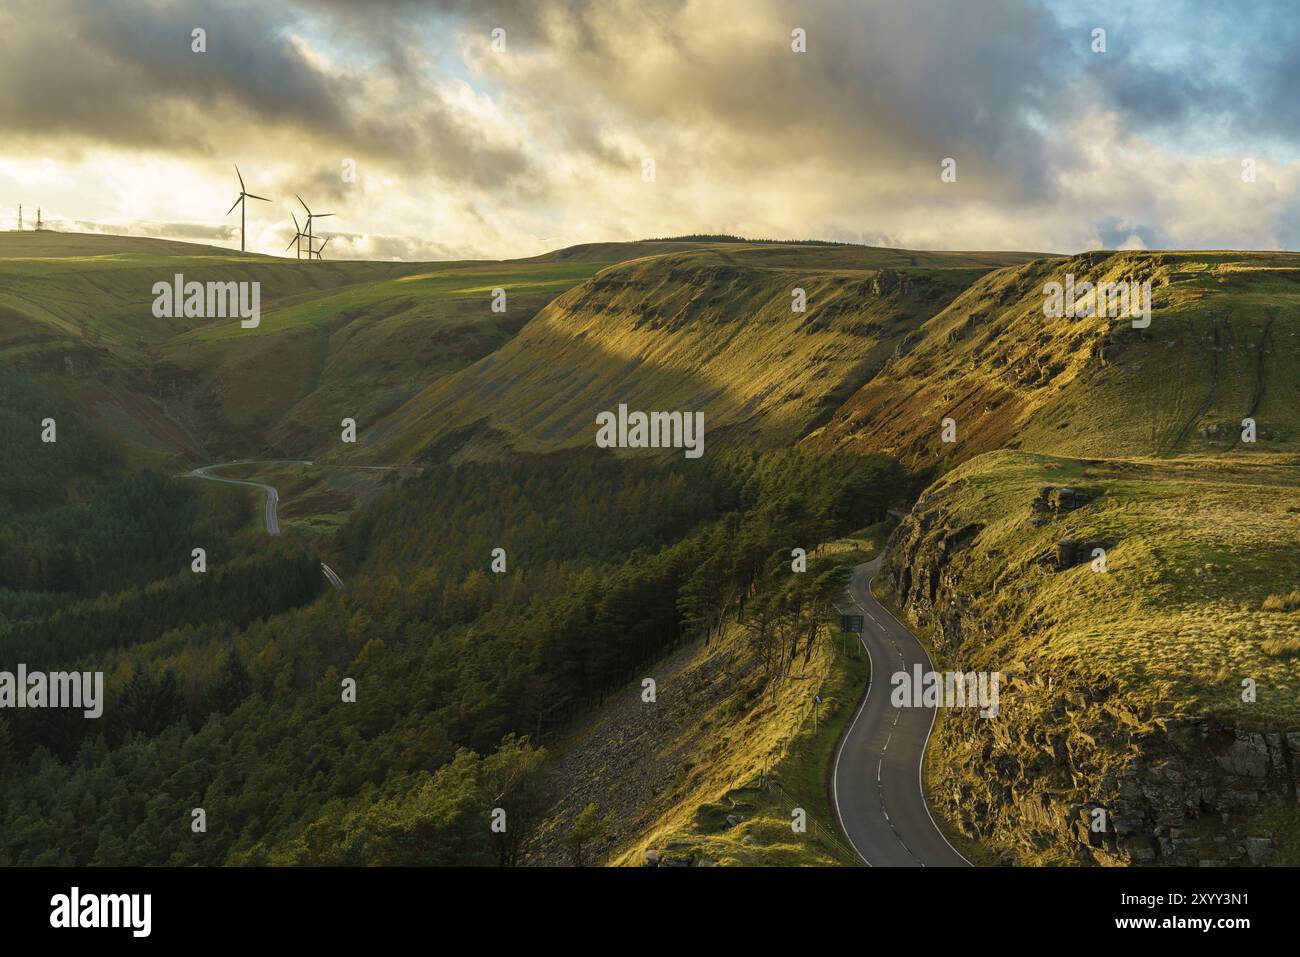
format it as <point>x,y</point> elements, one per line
<point>849,625</point>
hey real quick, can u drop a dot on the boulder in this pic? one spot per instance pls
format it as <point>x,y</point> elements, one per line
<point>1260,850</point>
<point>1247,756</point>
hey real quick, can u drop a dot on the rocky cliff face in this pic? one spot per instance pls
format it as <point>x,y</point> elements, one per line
<point>1072,769</point>
<point>1202,796</point>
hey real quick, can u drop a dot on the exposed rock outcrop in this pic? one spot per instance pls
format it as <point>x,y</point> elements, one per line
<point>1071,770</point>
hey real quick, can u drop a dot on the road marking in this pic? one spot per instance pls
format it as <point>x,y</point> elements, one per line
<point>894,829</point>
<point>886,633</point>
<point>835,771</point>
<point>934,714</point>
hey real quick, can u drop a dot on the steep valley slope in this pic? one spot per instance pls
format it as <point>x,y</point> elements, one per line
<point>335,339</point>
<point>1132,569</point>
<point>712,329</point>
<point>1150,710</point>
<point>1161,688</point>
<point>1221,346</point>
<point>1151,705</point>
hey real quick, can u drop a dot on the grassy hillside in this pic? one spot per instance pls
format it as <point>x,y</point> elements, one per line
<point>705,329</point>
<point>1130,686</point>
<point>1126,687</point>
<point>76,311</point>
<point>1195,549</point>
<point>1223,344</point>
<point>357,351</point>
<point>336,339</point>
<point>711,773</point>
<point>707,323</point>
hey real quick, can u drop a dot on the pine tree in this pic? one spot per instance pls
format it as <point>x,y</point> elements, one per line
<point>233,684</point>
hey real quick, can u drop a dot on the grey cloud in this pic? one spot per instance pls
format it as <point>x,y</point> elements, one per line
<point>1201,70</point>
<point>122,72</point>
<point>890,87</point>
<point>894,87</point>
<point>857,126</point>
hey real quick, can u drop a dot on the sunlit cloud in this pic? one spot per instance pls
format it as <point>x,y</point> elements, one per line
<point>427,141</point>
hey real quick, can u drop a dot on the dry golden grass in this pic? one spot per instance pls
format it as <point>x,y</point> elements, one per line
<point>1223,344</point>
<point>1288,602</point>
<point>1176,617</point>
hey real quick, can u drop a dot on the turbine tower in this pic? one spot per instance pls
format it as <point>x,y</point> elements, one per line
<point>243,194</point>
<point>20,218</point>
<point>297,238</point>
<point>310,217</point>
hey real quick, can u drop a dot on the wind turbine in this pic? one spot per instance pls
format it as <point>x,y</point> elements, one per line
<point>322,246</point>
<point>310,217</point>
<point>240,203</point>
<point>297,237</point>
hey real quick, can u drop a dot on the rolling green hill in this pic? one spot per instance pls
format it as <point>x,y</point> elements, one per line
<point>711,329</point>
<point>1126,684</point>
<point>76,311</point>
<point>1130,678</point>
<point>678,323</point>
<point>1223,344</point>
<point>336,339</point>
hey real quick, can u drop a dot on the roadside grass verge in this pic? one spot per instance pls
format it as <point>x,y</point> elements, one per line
<point>767,754</point>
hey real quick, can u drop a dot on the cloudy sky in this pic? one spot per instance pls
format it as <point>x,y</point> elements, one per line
<point>111,122</point>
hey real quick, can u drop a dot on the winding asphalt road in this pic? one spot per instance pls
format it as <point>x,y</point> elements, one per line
<point>272,496</point>
<point>272,506</point>
<point>876,779</point>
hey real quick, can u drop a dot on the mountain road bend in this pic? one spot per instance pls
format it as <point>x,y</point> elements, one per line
<point>876,788</point>
<point>273,498</point>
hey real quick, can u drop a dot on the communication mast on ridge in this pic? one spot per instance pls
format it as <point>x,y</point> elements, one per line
<point>20,218</point>
<point>39,227</point>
